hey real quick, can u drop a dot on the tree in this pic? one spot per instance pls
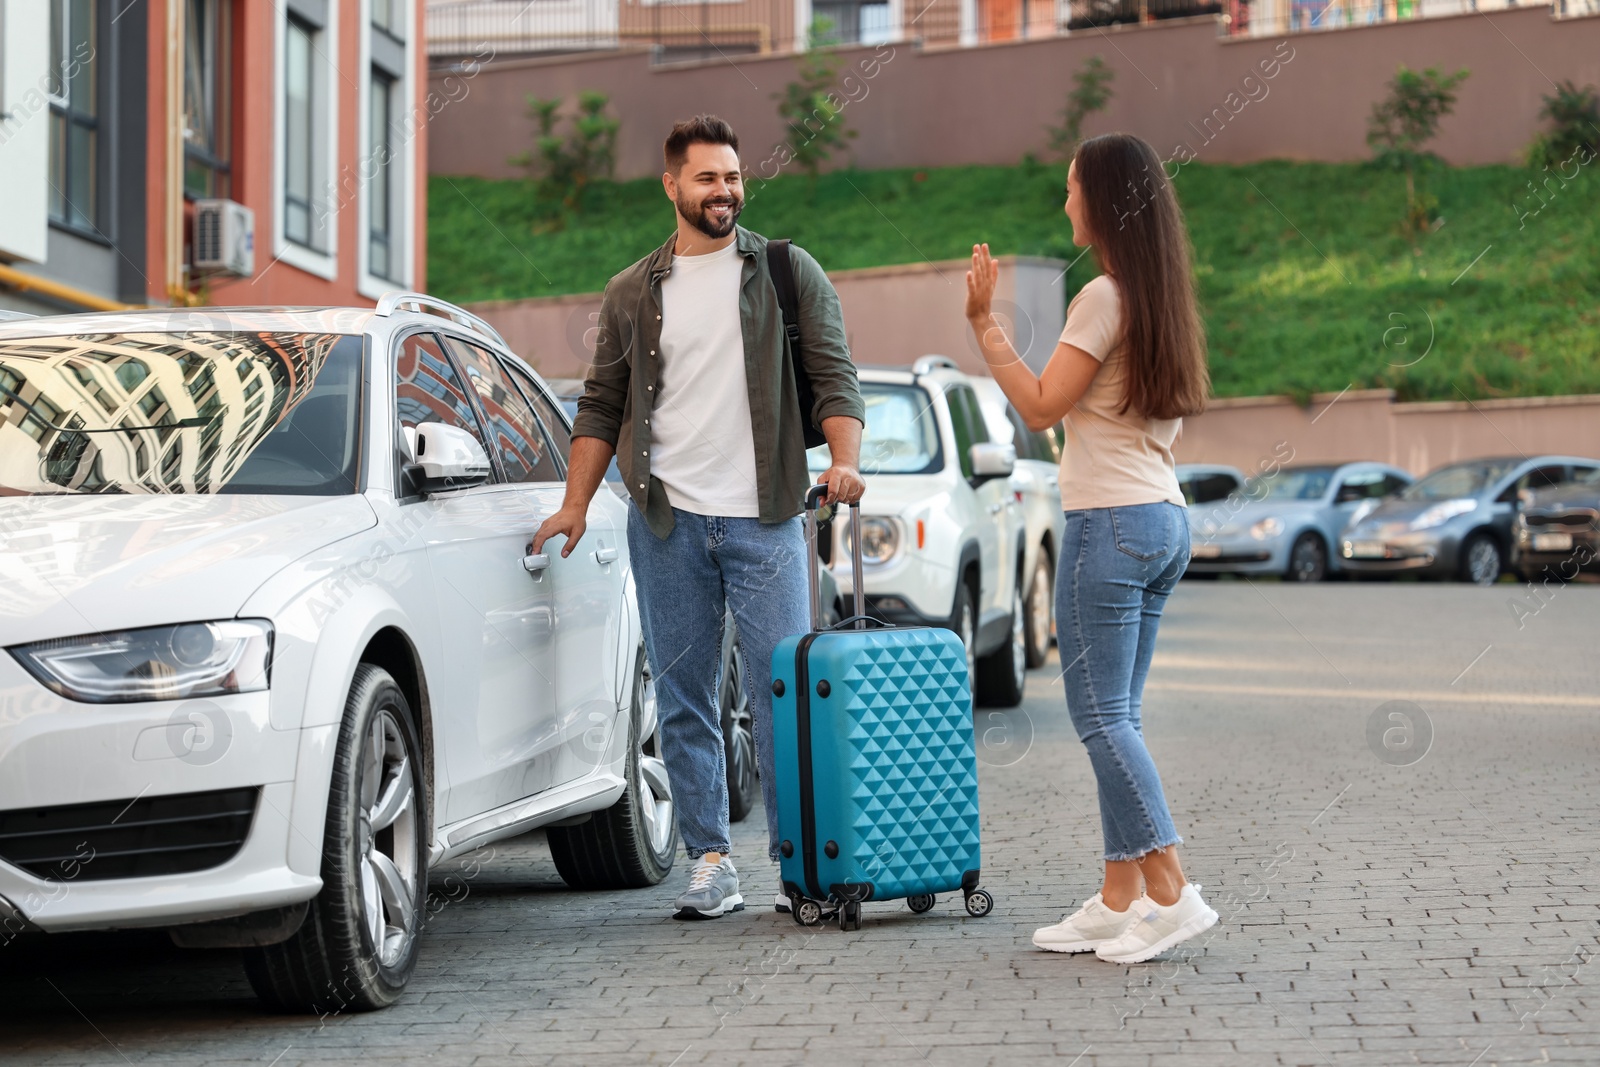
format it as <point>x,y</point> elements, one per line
<point>1091,91</point>
<point>561,167</point>
<point>810,108</point>
<point>1401,124</point>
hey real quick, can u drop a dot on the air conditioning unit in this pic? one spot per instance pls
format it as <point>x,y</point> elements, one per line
<point>224,238</point>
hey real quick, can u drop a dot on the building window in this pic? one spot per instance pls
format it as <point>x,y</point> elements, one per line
<point>300,140</point>
<point>389,16</point>
<point>385,170</point>
<point>74,122</point>
<point>207,85</point>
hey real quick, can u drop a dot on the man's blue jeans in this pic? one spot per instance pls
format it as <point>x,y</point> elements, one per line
<point>684,581</point>
<point>1117,567</point>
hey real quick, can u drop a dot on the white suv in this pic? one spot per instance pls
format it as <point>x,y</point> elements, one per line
<point>274,642</point>
<point>941,530</point>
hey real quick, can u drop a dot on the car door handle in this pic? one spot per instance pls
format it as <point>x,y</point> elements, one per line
<point>994,509</point>
<point>605,555</point>
<point>535,563</point>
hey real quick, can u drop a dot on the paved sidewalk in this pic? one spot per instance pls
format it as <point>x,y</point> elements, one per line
<point>1378,908</point>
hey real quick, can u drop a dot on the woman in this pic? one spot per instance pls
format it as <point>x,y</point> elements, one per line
<point>1129,365</point>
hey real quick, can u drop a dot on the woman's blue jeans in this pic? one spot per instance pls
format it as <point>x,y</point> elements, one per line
<point>684,581</point>
<point>1117,567</point>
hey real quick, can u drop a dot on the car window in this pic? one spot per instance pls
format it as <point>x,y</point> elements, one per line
<point>1206,488</point>
<point>900,436</point>
<point>526,455</point>
<point>967,421</point>
<point>1458,480</point>
<point>1292,483</point>
<point>428,389</point>
<point>1393,483</point>
<point>555,426</point>
<point>190,413</point>
<point>1586,475</point>
<point>1360,486</point>
<point>1541,477</point>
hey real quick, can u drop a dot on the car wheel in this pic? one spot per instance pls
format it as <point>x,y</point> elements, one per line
<point>738,740</point>
<point>1308,559</point>
<point>358,944</point>
<point>631,844</point>
<point>1041,605</point>
<point>1003,673</point>
<point>1480,560</point>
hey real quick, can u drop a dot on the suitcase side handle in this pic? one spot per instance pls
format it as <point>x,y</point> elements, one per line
<point>813,500</point>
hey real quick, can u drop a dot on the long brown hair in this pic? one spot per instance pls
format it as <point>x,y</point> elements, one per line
<point>1139,238</point>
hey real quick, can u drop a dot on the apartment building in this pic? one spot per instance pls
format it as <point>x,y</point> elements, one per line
<point>158,152</point>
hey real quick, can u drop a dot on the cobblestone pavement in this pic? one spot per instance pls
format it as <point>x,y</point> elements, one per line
<point>1377,908</point>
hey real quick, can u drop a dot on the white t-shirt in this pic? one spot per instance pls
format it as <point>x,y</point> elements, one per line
<point>1110,459</point>
<point>701,435</point>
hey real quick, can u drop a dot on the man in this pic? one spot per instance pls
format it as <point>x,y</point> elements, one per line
<point>693,389</point>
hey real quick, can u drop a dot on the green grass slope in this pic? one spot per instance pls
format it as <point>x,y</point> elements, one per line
<point>1305,280</point>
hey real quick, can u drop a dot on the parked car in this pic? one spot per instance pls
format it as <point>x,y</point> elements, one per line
<point>276,643</point>
<point>738,731</point>
<point>1457,522</point>
<point>942,533</point>
<point>1206,483</point>
<point>1558,530</point>
<point>1036,482</point>
<point>1286,522</point>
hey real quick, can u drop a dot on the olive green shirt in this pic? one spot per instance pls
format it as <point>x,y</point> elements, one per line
<point>619,390</point>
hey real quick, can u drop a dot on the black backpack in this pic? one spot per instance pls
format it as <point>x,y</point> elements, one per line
<point>782,272</point>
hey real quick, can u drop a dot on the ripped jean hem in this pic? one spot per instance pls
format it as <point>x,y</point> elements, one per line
<point>1122,857</point>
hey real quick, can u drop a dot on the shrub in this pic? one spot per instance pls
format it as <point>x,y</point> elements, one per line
<point>1091,91</point>
<point>1401,124</point>
<point>811,110</point>
<point>560,167</point>
<point>1575,115</point>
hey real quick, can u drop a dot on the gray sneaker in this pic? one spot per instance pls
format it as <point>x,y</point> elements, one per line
<point>713,891</point>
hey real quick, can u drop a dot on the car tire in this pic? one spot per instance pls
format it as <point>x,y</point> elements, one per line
<point>964,621</point>
<point>1040,609</point>
<point>738,738</point>
<point>1308,559</point>
<point>1481,561</point>
<point>1002,674</point>
<point>358,945</point>
<point>631,844</point>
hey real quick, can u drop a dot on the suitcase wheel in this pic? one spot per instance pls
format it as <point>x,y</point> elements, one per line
<point>805,911</point>
<point>979,903</point>
<point>921,902</point>
<point>850,915</point>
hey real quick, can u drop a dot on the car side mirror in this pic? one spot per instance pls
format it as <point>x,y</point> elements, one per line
<point>990,460</point>
<point>447,457</point>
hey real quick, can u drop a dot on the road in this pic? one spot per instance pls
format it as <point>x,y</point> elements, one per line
<point>1418,890</point>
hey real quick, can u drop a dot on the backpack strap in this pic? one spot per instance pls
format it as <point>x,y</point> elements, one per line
<point>781,268</point>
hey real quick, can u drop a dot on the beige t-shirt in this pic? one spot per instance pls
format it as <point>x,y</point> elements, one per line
<point>1111,460</point>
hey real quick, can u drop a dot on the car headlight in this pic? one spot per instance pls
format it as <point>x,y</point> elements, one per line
<point>196,659</point>
<point>880,540</point>
<point>1440,514</point>
<point>1267,528</point>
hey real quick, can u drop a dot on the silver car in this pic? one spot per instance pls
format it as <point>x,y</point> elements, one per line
<point>1287,522</point>
<point>1457,522</point>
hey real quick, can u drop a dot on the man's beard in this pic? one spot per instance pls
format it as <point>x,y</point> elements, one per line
<point>705,222</point>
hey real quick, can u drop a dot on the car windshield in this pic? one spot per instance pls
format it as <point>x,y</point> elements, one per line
<point>1458,480</point>
<point>1291,483</point>
<point>901,436</point>
<point>190,413</point>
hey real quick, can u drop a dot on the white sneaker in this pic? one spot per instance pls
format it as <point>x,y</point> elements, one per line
<point>1159,927</point>
<point>1087,928</point>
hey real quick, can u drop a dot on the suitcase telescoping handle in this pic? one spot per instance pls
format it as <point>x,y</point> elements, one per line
<point>814,497</point>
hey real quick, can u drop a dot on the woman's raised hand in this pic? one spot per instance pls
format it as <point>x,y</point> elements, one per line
<point>981,281</point>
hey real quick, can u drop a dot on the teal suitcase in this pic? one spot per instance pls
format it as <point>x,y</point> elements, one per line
<point>876,772</point>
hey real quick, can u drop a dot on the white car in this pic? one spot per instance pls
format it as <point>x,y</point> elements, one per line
<point>1037,485</point>
<point>941,530</point>
<point>275,643</point>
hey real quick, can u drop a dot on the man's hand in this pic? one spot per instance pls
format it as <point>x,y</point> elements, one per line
<point>844,485</point>
<point>569,521</point>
